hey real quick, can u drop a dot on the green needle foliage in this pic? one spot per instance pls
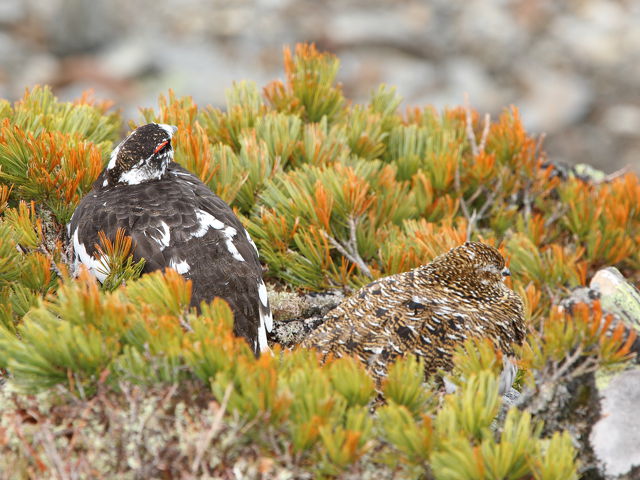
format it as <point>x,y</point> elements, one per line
<point>125,380</point>
<point>51,152</point>
<point>30,262</point>
<point>117,260</point>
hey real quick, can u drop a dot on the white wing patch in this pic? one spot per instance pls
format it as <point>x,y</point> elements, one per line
<point>262,292</point>
<point>97,268</point>
<point>165,235</point>
<point>262,336</point>
<point>184,174</point>
<point>206,221</point>
<point>181,267</point>
<point>229,233</point>
<point>266,317</point>
<point>251,242</point>
<point>114,155</point>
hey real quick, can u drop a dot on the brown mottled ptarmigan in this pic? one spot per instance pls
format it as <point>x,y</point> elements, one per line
<point>427,311</point>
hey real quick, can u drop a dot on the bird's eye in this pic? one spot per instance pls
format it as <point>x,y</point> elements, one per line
<point>161,146</point>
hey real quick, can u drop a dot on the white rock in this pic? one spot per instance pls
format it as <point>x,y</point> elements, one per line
<point>554,100</point>
<point>127,59</point>
<point>615,438</point>
<point>623,119</point>
<point>12,11</point>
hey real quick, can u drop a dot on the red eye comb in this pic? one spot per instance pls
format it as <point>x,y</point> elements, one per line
<point>161,146</point>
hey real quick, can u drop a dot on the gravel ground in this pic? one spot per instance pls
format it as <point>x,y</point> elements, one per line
<point>571,67</point>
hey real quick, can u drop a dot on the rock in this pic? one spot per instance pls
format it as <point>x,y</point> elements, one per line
<point>38,69</point>
<point>579,295</point>
<point>289,334</point>
<point>622,119</point>
<point>127,59</point>
<point>554,99</point>
<point>79,26</point>
<point>320,303</point>
<point>489,24</point>
<point>460,75</point>
<point>510,398</point>
<point>570,67</point>
<point>615,438</point>
<point>296,315</point>
<point>12,11</point>
<point>357,26</point>
<point>571,404</point>
<point>12,56</point>
<point>608,429</point>
<point>587,173</point>
<point>285,305</point>
<point>364,69</point>
<point>618,296</point>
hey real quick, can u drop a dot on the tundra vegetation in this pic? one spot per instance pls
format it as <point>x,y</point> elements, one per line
<point>123,380</point>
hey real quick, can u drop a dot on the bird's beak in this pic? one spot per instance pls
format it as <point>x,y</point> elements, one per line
<point>506,272</point>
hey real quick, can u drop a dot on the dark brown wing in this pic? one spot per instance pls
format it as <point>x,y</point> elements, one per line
<point>223,260</point>
<point>178,222</point>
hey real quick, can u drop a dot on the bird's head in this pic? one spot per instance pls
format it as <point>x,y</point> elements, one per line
<point>473,268</point>
<point>141,157</point>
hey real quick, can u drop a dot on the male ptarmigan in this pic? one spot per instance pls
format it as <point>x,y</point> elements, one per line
<point>427,312</point>
<point>175,221</point>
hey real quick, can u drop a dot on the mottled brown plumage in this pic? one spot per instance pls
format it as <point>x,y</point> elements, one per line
<point>427,311</point>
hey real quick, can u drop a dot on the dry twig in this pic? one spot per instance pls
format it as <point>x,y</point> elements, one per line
<point>612,176</point>
<point>349,250</point>
<point>51,450</point>
<point>52,264</point>
<point>476,215</point>
<point>485,132</point>
<point>475,150</point>
<point>216,424</point>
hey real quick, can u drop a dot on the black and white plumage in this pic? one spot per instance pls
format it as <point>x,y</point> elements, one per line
<point>175,221</point>
<point>427,312</point>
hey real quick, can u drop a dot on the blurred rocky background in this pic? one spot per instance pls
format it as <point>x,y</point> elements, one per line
<point>572,67</point>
